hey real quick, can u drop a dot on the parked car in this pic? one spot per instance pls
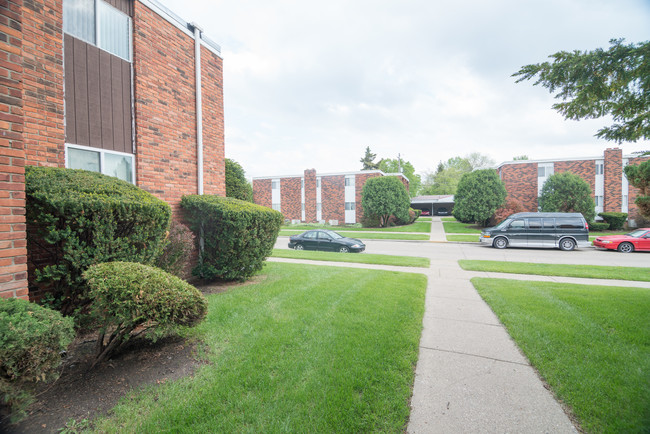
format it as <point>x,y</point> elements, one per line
<point>565,231</point>
<point>425,212</point>
<point>322,239</point>
<point>638,239</point>
<point>442,211</point>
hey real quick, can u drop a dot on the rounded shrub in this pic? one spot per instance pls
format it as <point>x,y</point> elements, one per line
<point>616,220</point>
<point>128,295</point>
<point>78,218</point>
<point>235,237</point>
<point>598,226</point>
<point>32,338</point>
<point>178,249</point>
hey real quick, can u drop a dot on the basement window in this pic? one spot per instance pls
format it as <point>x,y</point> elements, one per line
<point>109,163</point>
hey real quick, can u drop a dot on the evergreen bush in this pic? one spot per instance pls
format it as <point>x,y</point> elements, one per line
<point>178,249</point>
<point>236,236</point>
<point>32,338</point>
<point>616,220</point>
<point>598,226</point>
<point>78,218</point>
<point>128,295</point>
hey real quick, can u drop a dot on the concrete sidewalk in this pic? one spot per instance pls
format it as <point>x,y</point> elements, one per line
<point>437,231</point>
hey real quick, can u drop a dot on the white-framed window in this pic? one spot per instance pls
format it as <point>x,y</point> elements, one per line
<point>100,24</point>
<point>275,185</point>
<point>318,207</point>
<point>349,206</point>
<point>317,182</point>
<point>599,200</point>
<point>625,204</point>
<point>600,168</point>
<point>111,163</point>
<point>349,182</point>
<point>276,206</point>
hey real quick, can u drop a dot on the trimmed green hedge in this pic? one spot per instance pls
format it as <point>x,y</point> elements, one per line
<point>127,295</point>
<point>78,218</point>
<point>616,220</point>
<point>32,338</point>
<point>237,236</point>
<point>598,226</point>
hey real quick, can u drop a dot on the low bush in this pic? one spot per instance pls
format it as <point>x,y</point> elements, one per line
<point>178,250</point>
<point>598,226</point>
<point>236,236</point>
<point>511,206</point>
<point>32,338</point>
<point>616,220</point>
<point>78,218</point>
<point>370,221</point>
<point>127,296</point>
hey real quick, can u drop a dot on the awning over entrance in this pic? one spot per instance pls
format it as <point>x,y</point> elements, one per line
<point>434,205</point>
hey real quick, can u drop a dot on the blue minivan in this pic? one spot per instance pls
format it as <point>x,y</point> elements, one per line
<point>565,231</point>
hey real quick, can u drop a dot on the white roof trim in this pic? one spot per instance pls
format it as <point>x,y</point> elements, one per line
<point>318,175</point>
<point>556,160</point>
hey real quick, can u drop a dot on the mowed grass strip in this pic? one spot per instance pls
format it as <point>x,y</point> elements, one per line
<point>368,235</point>
<point>464,238</point>
<point>318,349</point>
<point>590,343</point>
<point>364,258</point>
<point>414,227</point>
<point>640,274</point>
<point>460,228</point>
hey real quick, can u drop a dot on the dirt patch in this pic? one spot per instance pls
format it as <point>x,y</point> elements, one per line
<point>82,394</point>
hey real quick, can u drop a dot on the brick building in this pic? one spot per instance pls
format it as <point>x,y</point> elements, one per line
<point>332,197</point>
<point>122,87</point>
<point>604,174</point>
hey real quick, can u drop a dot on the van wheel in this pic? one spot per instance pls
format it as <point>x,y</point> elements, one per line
<point>500,243</point>
<point>625,248</point>
<point>567,244</point>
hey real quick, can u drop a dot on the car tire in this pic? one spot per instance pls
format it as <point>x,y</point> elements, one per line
<point>344,249</point>
<point>625,248</point>
<point>298,247</point>
<point>500,243</point>
<point>567,244</point>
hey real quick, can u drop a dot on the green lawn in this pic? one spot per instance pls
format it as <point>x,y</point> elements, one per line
<point>590,271</point>
<point>590,343</point>
<point>369,235</point>
<point>415,227</point>
<point>466,238</point>
<point>309,349</point>
<point>364,258</point>
<point>454,227</point>
<point>448,219</point>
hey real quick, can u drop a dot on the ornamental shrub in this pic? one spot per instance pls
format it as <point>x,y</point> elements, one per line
<point>512,206</point>
<point>385,196</point>
<point>128,295</point>
<point>567,192</point>
<point>235,237</point>
<point>598,226</point>
<point>78,218</point>
<point>479,194</point>
<point>178,249</point>
<point>32,338</point>
<point>616,220</point>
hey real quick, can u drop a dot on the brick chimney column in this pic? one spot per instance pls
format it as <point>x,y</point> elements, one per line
<point>613,180</point>
<point>310,195</point>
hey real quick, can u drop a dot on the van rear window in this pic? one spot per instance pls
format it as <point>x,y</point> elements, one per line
<point>569,223</point>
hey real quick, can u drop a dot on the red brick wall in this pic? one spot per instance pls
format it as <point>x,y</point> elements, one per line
<point>359,182</point>
<point>13,251</point>
<point>310,195</point>
<point>43,82</point>
<point>521,183</point>
<point>166,154</point>
<point>262,192</point>
<point>290,198</point>
<point>333,198</point>
<point>613,179</point>
<point>585,169</point>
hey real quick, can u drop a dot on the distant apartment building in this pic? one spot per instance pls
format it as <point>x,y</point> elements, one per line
<point>611,191</point>
<point>333,198</point>
<point>121,87</point>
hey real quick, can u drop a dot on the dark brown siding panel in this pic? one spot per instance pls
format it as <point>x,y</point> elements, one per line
<point>125,6</point>
<point>105,85</point>
<point>118,104</point>
<point>70,124</point>
<point>79,68</point>
<point>94,101</point>
<point>127,114</point>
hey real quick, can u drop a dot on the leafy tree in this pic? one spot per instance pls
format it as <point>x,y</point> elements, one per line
<point>567,192</point>
<point>479,161</point>
<point>236,184</point>
<point>639,176</point>
<point>479,195</point>
<point>368,160</point>
<point>593,84</point>
<point>385,196</point>
<point>520,157</point>
<point>392,165</point>
<point>446,177</point>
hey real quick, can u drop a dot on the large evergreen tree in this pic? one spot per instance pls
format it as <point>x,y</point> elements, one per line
<point>567,192</point>
<point>480,193</point>
<point>368,160</point>
<point>639,177</point>
<point>385,196</point>
<point>236,184</point>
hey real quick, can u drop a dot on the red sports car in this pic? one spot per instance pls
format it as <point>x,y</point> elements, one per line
<point>638,239</point>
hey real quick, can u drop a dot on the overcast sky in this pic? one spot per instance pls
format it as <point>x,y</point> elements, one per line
<point>310,84</point>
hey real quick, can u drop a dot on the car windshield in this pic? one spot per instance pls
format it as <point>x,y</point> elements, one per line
<point>636,234</point>
<point>503,224</point>
<point>335,235</point>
